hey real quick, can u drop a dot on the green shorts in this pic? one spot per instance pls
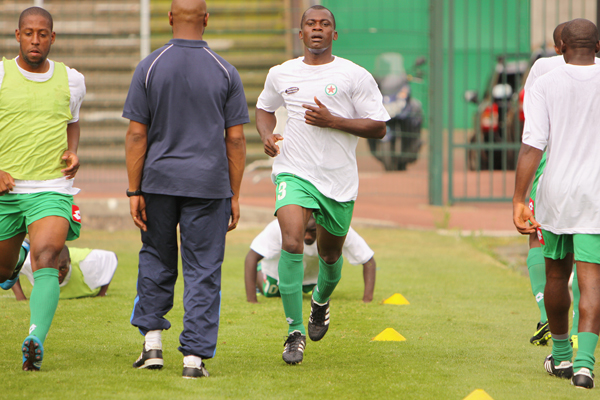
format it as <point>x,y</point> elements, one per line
<point>18,211</point>
<point>332,215</point>
<point>271,287</point>
<point>585,247</point>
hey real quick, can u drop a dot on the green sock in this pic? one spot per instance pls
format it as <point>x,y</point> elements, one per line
<point>43,301</point>
<point>585,354</point>
<point>537,275</point>
<point>561,350</point>
<point>576,295</point>
<point>329,276</point>
<point>291,275</point>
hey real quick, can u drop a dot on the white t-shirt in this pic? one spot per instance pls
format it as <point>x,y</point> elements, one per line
<point>325,157</point>
<point>268,245</point>
<point>98,268</point>
<point>77,90</point>
<point>540,68</point>
<point>566,99</point>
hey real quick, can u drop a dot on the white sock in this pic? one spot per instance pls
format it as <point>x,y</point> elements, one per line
<point>153,339</point>
<point>192,360</point>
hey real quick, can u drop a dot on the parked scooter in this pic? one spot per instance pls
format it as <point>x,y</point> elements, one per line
<point>402,141</point>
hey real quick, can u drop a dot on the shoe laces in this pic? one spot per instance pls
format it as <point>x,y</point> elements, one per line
<point>319,313</point>
<point>293,341</point>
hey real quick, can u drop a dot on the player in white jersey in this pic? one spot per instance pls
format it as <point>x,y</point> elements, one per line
<point>567,205</point>
<point>330,102</point>
<point>261,264</point>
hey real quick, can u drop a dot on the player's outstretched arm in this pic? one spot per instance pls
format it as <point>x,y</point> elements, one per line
<point>529,160</point>
<point>362,127</point>
<point>250,273</point>
<point>136,142</point>
<point>18,291</point>
<point>70,155</point>
<point>103,290</point>
<point>7,183</point>
<point>235,143</point>
<point>265,124</point>
<point>369,271</point>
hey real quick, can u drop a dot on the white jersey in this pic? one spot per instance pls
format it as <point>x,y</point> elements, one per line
<point>77,90</point>
<point>540,68</point>
<point>324,157</point>
<point>566,99</point>
<point>98,268</point>
<point>268,245</point>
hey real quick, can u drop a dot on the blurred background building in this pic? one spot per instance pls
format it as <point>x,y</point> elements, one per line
<point>451,72</point>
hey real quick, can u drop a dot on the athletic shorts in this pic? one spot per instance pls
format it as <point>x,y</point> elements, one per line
<point>585,247</point>
<point>332,215</point>
<point>18,211</point>
<point>271,287</point>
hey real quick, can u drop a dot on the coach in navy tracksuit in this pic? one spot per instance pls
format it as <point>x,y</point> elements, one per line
<point>185,152</point>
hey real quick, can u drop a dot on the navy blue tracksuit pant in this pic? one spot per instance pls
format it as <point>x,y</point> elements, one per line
<point>203,226</point>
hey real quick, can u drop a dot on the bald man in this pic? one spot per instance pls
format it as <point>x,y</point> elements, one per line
<point>567,204</point>
<point>185,153</point>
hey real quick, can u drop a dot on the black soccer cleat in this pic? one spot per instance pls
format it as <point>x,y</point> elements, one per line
<point>583,379</point>
<point>318,322</point>
<point>150,358</point>
<point>192,371</point>
<point>293,352</point>
<point>541,335</point>
<point>563,370</point>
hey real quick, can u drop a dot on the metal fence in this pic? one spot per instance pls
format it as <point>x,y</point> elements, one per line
<point>451,72</point>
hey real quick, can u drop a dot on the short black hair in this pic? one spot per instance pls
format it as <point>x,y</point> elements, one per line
<point>317,7</point>
<point>556,35</point>
<point>580,33</point>
<point>36,11</point>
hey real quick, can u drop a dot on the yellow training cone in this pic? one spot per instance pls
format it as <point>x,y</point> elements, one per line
<point>389,334</point>
<point>478,394</point>
<point>396,299</point>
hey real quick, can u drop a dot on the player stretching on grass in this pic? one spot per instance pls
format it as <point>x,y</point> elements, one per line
<point>330,102</point>
<point>261,264</point>
<point>563,117</point>
<point>39,113</point>
<point>535,258</point>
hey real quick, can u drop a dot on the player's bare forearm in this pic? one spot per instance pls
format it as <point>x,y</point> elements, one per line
<point>235,143</point>
<point>250,264</point>
<point>73,134</point>
<point>70,155</point>
<point>265,124</point>
<point>18,291</point>
<point>369,271</point>
<point>320,116</point>
<point>103,290</point>
<point>527,164</point>
<point>136,143</point>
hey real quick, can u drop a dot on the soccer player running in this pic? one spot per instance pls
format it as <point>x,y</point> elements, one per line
<point>535,258</point>
<point>563,118</point>
<point>39,114</point>
<point>330,102</point>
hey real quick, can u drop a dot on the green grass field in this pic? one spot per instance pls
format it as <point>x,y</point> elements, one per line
<point>467,327</point>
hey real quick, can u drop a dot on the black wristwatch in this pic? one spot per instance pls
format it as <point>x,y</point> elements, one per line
<point>136,193</point>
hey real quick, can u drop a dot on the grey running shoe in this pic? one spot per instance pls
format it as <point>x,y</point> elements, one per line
<point>562,370</point>
<point>318,323</point>
<point>583,379</point>
<point>151,358</point>
<point>293,352</point>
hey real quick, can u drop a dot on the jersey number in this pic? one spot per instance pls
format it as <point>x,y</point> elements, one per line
<point>281,191</point>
